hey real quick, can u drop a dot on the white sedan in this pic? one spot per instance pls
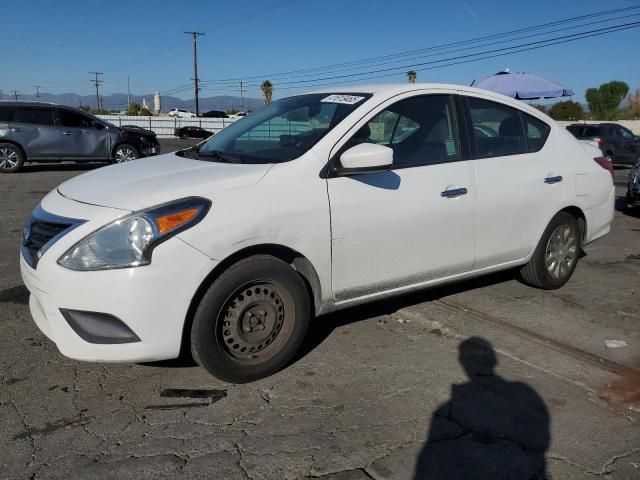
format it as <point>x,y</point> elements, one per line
<point>181,113</point>
<point>311,204</point>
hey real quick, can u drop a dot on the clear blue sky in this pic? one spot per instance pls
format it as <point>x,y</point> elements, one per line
<point>56,43</point>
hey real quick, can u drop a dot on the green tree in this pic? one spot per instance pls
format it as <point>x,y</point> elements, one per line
<point>411,76</point>
<point>632,110</point>
<point>567,110</point>
<point>134,109</point>
<point>145,112</point>
<point>605,100</point>
<point>267,91</point>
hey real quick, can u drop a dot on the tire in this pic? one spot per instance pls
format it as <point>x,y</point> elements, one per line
<point>561,239</point>
<point>251,321</point>
<point>125,153</point>
<point>11,158</point>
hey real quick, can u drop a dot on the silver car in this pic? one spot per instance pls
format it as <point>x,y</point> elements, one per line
<point>45,132</point>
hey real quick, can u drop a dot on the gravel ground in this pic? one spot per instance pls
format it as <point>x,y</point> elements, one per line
<point>399,389</point>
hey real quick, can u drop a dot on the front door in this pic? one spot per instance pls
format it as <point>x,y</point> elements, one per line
<point>413,223</point>
<point>82,138</point>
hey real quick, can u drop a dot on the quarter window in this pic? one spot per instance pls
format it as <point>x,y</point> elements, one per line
<point>34,116</point>
<point>497,129</point>
<point>537,132</point>
<point>419,130</point>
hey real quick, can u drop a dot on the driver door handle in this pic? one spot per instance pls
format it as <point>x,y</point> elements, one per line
<point>66,133</point>
<point>454,192</point>
<point>556,179</point>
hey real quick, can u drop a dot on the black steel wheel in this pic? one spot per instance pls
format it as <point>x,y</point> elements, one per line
<point>252,320</point>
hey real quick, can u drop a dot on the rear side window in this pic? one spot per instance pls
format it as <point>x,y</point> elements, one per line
<point>6,114</point>
<point>591,132</point>
<point>537,132</point>
<point>497,129</point>
<point>72,119</point>
<point>34,116</point>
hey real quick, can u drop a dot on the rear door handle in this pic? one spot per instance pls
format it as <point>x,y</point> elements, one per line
<point>66,133</point>
<point>454,192</point>
<point>556,179</point>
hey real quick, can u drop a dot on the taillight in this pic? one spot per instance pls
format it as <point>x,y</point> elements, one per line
<point>605,163</point>
<point>598,140</point>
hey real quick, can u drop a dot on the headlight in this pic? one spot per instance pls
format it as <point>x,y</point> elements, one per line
<point>129,241</point>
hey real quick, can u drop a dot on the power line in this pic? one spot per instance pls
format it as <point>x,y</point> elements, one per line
<point>195,66</point>
<point>97,83</point>
<point>432,48</point>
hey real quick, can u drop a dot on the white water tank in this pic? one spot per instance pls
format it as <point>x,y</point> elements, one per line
<point>156,103</point>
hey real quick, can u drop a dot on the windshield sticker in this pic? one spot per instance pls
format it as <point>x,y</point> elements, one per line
<point>344,99</point>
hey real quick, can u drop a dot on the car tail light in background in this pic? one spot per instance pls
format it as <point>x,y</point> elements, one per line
<point>605,163</point>
<point>598,140</point>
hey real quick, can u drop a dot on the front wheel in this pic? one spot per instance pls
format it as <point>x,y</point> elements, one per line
<point>125,153</point>
<point>556,256</point>
<point>251,321</point>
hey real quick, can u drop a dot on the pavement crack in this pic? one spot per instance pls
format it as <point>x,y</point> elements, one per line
<point>607,468</point>
<point>29,433</point>
<point>241,461</point>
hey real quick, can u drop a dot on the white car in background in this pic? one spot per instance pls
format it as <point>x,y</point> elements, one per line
<point>311,204</point>
<point>238,115</point>
<point>181,113</point>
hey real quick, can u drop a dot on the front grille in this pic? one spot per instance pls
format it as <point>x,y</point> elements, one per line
<point>41,231</point>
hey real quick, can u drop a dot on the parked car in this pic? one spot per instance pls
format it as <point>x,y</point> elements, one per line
<point>236,244</point>
<point>238,115</point>
<point>633,186</point>
<point>192,132</point>
<point>618,143</point>
<point>215,114</point>
<point>181,113</point>
<point>46,132</point>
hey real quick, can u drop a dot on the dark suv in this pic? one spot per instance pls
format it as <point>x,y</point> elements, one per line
<point>45,132</point>
<point>618,143</point>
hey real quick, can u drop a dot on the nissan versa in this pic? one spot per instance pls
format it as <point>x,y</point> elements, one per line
<point>311,204</point>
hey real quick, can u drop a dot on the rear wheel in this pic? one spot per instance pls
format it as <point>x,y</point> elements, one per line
<point>11,158</point>
<point>556,256</point>
<point>251,321</point>
<point>125,153</point>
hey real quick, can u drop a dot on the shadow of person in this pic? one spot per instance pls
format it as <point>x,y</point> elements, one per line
<point>490,428</point>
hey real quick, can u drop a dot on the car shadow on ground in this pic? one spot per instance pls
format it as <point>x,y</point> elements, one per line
<point>61,167</point>
<point>621,206</point>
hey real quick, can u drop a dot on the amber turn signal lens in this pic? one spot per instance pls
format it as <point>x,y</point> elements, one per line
<point>167,223</point>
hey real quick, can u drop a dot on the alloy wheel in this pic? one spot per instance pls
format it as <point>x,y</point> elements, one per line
<point>125,155</point>
<point>8,157</point>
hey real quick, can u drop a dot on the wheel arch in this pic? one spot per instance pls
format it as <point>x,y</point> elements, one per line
<point>298,262</point>
<point>13,142</point>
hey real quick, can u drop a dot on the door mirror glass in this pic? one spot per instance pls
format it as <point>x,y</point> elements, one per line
<point>367,157</point>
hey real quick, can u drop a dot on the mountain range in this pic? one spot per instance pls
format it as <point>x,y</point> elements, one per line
<point>118,101</point>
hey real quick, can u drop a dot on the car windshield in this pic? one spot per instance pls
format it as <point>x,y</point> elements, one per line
<point>282,130</point>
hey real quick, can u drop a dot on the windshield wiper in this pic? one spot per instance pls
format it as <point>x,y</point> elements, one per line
<point>220,156</point>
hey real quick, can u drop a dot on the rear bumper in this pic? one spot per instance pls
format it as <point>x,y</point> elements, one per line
<point>599,218</point>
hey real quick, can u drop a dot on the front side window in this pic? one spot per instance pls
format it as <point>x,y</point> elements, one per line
<point>497,129</point>
<point>282,130</point>
<point>419,130</point>
<point>34,116</point>
<point>624,133</point>
<point>74,120</point>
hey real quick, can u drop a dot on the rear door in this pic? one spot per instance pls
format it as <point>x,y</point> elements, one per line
<point>35,129</point>
<point>626,151</point>
<point>520,181</point>
<point>82,137</point>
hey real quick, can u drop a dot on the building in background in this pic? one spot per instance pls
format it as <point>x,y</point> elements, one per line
<point>156,103</point>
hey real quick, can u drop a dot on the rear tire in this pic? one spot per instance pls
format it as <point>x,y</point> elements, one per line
<point>251,321</point>
<point>11,158</point>
<point>125,153</point>
<point>556,256</point>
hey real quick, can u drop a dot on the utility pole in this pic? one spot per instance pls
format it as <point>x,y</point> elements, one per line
<point>241,98</point>
<point>15,94</point>
<point>0,94</point>
<point>37,87</point>
<point>195,67</point>
<point>128,94</point>
<point>97,83</point>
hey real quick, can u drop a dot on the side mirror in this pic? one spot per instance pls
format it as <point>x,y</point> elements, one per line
<point>366,157</point>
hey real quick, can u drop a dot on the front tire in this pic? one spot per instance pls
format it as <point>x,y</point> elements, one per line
<point>556,256</point>
<point>125,153</point>
<point>251,321</point>
<point>11,158</point>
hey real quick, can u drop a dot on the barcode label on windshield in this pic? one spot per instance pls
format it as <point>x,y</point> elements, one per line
<point>344,99</point>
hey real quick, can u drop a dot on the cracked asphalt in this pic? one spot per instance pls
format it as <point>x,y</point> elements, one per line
<point>486,379</point>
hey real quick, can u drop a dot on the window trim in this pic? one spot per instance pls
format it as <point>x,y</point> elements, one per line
<point>472,138</point>
<point>332,171</point>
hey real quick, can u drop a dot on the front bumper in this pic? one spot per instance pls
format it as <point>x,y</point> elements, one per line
<point>152,301</point>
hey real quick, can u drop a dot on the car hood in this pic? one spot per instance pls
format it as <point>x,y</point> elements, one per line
<point>154,180</point>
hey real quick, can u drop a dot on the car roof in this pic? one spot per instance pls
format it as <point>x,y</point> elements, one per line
<point>19,103</point>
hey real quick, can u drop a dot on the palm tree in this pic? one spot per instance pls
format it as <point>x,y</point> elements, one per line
<point>267,91</point>
<point>411,76</point>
